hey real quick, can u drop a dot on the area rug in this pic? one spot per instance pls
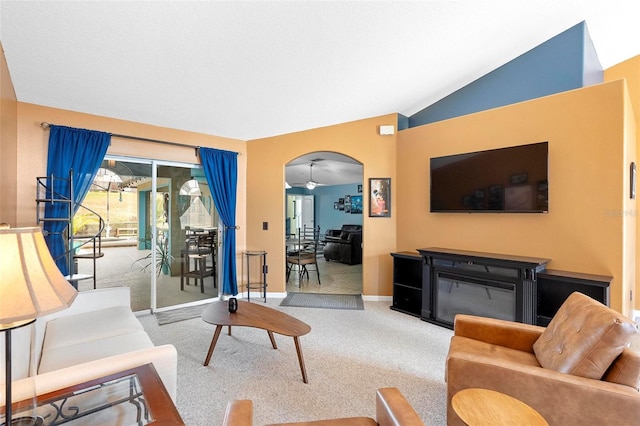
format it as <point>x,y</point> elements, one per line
<point>327,301</point>
<point>180,314</point>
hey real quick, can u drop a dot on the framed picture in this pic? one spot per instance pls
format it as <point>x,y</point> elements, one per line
<point>347,199</point>
<point>356,204</point>
<point>519,179</point>
<point>347,208</point>
<point>360,188</point>
<point>340,203</point>
<point>335,206</point>
<point>521,197</point>
<point>380,197</point>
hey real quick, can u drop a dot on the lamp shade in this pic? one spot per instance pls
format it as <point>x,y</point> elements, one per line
<point>31,285</point>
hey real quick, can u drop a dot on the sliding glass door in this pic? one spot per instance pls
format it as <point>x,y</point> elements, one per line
<point>152,210</point>
<point>187,243</point>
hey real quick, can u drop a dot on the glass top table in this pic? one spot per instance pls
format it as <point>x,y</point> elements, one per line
<point>131,397</point>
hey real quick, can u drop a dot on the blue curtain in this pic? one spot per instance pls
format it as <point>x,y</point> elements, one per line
<point>221,170</point>
<point>80,151</point>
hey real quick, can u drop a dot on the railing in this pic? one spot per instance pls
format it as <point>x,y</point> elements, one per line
<point>46,194</point>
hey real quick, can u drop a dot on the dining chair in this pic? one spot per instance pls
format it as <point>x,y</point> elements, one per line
<point>305,253</point>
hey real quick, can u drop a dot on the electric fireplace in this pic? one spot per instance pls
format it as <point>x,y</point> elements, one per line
<point>483,284</point>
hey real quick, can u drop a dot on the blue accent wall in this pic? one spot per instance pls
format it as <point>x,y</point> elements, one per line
<point>326,216</point>
<point>567,61</point>
<point>296,190</point>
<point>403,122</point>
<point>593,72</point>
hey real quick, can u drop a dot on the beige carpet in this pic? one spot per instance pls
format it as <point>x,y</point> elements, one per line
<point>348,354</point>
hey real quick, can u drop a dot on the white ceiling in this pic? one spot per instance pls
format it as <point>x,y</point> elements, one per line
<point>329,168</point>
<point>248,70</point>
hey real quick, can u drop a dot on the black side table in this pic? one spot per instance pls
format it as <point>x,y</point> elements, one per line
<point>261,285</point>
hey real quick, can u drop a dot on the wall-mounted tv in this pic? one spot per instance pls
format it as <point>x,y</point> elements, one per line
<point>508,180</point>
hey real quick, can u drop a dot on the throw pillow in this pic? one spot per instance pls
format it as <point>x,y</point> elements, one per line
<point>583,338</point>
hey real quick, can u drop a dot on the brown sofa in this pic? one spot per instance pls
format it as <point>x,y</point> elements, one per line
<point>577,371</point>
<point>392,409</point>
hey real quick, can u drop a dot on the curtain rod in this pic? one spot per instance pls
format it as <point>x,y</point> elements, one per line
<point>45,126</point>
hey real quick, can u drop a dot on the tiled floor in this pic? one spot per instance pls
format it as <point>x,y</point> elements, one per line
<point>335,277</point>
<point>119,268</point>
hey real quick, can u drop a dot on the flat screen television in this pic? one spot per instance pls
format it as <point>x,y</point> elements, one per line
<point>507,180</point>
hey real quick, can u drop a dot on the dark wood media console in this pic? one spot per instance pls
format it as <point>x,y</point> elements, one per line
<point>555,286</point>
<point>407,283</point>
<point>437,283</point>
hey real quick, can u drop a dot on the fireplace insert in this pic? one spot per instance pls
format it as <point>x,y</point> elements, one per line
<point>463,294</point>
<point>484,284</point>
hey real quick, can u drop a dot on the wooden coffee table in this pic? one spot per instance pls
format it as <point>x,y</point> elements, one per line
<point>487,407</point>
<point>258,316</point>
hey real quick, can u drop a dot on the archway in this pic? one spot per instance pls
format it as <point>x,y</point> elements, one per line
<point>330,185</point>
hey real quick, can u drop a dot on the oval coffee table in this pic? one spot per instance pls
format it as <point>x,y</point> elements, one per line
<point>258,316</point>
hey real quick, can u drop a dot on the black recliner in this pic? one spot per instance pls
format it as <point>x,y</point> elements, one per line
<point>344,245</point>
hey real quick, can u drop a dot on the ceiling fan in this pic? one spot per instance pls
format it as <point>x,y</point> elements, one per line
<point>311,184</point>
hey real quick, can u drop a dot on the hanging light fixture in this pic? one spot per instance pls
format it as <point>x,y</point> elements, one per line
<point>311,184</point>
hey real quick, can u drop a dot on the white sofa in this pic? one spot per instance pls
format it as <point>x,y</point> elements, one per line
<point>96,336</point>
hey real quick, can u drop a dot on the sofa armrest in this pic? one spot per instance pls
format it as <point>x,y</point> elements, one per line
<point>508,334</point>
<point>239,413</point>
<point>355,238</point>
<point>560,398</point>
<point>392,409</point>
<point>164,358</point>
<point>330,239</point>
<point>333,233</point>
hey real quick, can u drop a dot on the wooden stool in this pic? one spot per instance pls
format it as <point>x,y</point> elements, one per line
<point>200,270</point>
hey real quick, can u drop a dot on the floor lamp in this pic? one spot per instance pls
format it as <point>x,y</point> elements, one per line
<point>31,285</point>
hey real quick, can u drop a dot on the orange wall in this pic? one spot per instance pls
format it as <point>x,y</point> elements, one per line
<point>590,228</point>
<point>266,197</point>
<point>8,149</point>
<point>629,70</point>
<point>588,184</point>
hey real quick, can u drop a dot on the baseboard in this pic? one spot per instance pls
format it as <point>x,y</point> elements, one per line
<point>258,295</point>
<point>377,298</point>
<point>280,295</point>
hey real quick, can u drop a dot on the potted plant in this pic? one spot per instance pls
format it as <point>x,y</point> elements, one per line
<point>163,259</point>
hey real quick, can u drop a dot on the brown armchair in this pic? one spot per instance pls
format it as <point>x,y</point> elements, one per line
<point>392,409</point>
<point>577,371</point>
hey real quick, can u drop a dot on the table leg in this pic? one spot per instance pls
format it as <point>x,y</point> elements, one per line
<point>182,272</point>
<point>300,359</point>
<point>213,344</point>
<point>273,340</point>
